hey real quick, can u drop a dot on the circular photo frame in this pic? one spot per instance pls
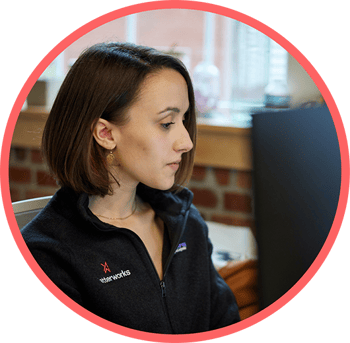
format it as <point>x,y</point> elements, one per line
<point>187,5</point>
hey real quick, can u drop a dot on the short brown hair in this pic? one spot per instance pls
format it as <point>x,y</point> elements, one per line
<point>103,83</point>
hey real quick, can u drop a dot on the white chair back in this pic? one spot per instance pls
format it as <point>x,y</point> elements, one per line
<point>26,210</point>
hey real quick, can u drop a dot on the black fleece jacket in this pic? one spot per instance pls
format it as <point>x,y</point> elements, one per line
<point>108,271</point>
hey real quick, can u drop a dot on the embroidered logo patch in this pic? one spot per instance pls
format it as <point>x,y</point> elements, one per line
<point>105,267</point>
<point>181,247</point>
<point>118,276</point>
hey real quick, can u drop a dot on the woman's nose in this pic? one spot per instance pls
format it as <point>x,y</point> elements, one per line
<point>183,143</point>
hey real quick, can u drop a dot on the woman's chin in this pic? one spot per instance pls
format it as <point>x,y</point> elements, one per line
<point>162,186</point>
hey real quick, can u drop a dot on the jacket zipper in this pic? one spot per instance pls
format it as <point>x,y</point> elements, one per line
<point>162,282</point>
<point>163,288</point>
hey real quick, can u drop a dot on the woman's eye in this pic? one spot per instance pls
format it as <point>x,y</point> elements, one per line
<point>167,125</point>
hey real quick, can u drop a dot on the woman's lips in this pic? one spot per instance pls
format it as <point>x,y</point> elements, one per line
<point>174,165</point>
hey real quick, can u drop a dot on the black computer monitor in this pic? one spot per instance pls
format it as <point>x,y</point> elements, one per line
<point>297,175</point>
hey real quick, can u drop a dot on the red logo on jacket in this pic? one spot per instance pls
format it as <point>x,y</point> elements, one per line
<point>105,267</point>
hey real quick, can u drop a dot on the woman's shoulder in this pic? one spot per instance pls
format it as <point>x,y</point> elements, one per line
<point>53,219</point>
<point>196,219</point>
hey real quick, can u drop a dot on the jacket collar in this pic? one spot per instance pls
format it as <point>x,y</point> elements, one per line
<point>166,203</point>
<point>171,207</point>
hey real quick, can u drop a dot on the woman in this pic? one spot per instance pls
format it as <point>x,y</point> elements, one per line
<point>121,237</point>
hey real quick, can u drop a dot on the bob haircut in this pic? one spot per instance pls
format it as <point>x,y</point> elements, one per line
<point>103,83</point>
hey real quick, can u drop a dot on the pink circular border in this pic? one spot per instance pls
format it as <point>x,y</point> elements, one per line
<point>171,4</point>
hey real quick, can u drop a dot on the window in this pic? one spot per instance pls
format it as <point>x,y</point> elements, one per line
<point>254,61</point>
<point>253,64</point>
<point>230,62</point>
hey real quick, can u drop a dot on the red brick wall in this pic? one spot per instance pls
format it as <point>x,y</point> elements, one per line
<point>28,175</point>
<point>221,195</point>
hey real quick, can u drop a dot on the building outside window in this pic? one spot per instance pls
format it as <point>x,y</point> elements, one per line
<point>242,64</point>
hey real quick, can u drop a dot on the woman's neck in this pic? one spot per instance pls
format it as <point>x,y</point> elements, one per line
<point>120,204</point>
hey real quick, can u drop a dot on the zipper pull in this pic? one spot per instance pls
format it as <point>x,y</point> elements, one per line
<point>163,288</point>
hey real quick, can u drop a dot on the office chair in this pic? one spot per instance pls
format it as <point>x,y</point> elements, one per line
<point>26,210</point>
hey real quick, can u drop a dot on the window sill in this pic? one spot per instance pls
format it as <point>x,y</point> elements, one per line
<point>29,127</point>
<point>223,146</point>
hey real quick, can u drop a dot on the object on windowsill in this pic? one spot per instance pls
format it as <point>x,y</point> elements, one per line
<point>206,82</point>
<point>313,103</point>
<point>239,119</point>
<point>276,95</point>
<point>221,257</point>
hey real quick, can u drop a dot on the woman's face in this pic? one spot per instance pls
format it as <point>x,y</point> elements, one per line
<point>151,144</point>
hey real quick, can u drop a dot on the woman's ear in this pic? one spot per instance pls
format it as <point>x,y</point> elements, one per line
<point>104,134</point>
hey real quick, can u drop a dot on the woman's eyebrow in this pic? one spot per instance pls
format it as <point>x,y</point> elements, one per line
<point>171,109</point>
